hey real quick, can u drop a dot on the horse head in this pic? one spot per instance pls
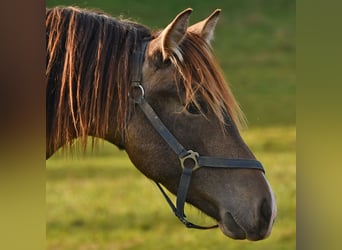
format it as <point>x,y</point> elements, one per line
<point>183,84</point>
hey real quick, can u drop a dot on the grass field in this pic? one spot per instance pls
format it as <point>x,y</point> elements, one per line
<point>101,201</point>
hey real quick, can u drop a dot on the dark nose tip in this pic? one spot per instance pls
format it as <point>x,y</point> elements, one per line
<point>266,211</point>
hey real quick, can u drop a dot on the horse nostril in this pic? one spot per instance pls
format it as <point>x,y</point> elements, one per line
<point>266,210</point>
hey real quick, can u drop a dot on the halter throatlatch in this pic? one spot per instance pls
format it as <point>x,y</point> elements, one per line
<point>190,160</point>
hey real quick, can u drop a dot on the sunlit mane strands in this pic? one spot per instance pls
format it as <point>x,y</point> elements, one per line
<point>202,77</point>
<point>89,62</point>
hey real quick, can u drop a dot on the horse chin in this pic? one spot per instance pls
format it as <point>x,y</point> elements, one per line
<point>231,228</point>
<point>234,229</point>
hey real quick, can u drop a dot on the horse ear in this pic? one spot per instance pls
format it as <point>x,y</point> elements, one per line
<point>174,33</point>
<point>206,27</point>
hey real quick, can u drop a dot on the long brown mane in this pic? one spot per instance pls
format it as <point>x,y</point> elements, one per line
<point>89,65</point>
<point>89,62</point>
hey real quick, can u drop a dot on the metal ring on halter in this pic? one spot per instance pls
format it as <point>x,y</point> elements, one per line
<point>138,97</point>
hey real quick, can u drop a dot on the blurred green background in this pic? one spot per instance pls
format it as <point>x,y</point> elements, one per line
<point>100,201</point>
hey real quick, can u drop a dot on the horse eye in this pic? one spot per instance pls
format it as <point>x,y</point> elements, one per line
<point>193,109</point>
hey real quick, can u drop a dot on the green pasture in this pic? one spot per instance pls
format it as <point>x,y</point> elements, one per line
<point>101,201</point>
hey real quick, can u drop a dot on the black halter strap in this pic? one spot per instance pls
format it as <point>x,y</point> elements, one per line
<point>190,160</point>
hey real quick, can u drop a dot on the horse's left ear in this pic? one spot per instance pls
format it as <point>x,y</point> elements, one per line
<point>174,33</point>
<point>206,28</point>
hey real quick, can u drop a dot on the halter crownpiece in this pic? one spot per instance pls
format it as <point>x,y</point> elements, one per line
<point>190,160</point>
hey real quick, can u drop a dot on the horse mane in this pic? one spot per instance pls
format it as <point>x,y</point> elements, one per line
<point>89,67</point>
<point>89,62</point>
<point>201,76</point>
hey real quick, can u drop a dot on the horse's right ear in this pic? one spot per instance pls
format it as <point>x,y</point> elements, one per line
<point>206,28</point>
<point>173,34</point>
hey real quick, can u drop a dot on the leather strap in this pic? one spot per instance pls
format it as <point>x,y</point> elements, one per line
<point>139,54</point>
<point>161,128</point>
<point>216,162</point>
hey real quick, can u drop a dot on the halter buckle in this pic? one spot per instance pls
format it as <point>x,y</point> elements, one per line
<point>187,159</point>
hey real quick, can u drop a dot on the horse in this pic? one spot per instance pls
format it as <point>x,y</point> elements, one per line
<point>160,95</point>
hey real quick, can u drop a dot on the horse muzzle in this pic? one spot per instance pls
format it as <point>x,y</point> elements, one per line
<point>250,226</point>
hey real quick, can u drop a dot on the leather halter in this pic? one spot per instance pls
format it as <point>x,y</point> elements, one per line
<point>190,161</point>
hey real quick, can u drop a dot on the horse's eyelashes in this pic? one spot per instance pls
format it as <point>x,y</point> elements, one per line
<point>198,109</point>
<point>193,109</point>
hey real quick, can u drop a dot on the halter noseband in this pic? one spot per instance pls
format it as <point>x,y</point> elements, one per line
<point>190,160</point>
